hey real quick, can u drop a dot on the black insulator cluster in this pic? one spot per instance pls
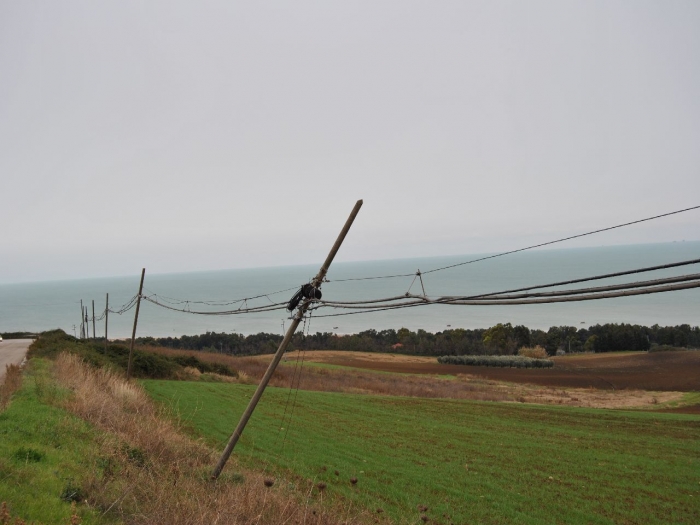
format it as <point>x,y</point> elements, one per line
<point>307,291</point>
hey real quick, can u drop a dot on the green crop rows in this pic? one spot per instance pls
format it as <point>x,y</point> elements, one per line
<point>468,462</point>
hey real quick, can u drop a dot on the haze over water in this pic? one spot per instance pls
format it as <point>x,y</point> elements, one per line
<point>47,305</point>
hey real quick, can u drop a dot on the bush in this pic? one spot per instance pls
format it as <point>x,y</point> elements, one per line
<point>536,352</point>
<point>116,356</point>
<point>668,348</point>
<point>504,361</point>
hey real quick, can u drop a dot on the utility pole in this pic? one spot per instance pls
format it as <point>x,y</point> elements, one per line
<point>94,335</point>
<point>87,324</point>
<point>136,320</point>
<point>296,319</point>
<point>106,319</point>
<point>82,320</point>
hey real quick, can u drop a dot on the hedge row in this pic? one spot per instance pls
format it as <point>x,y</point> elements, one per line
<point>144,365</point>
<point>515,361</point>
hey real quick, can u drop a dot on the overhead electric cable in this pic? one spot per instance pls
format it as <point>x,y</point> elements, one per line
<point>265,308</point>
<point>226,302</point>
<point>522,249</point>
<point>421,301</point>
<point>549,285</point>
<point>625,286</point>
<point>594,278</point>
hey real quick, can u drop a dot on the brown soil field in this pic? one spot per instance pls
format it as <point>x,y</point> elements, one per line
<point>417,376</point>
<point>658,371</point>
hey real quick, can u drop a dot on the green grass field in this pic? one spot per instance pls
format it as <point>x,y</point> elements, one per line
<point>45,452</point>
<point>468,462</point>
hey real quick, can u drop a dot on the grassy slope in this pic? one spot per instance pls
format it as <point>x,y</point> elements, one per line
<point>32,489</point>
<point>526,464</point>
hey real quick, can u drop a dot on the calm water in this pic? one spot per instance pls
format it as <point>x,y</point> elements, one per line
<point>46,305</point>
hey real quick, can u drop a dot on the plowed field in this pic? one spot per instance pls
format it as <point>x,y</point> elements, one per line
<point>659,371</point>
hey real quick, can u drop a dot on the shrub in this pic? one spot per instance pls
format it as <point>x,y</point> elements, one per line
<point>668,348</point>
<point>144,364</point>
<point>504,361</point>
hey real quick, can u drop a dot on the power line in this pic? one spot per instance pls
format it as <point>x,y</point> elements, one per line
<point>539,286</point>
<point>522,249</point>
<point>173,300</point>
<point>572,297</point>
<point>594,278</point>
<point>239,311</point>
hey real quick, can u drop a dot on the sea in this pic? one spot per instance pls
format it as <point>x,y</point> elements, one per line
<point>39,306</point>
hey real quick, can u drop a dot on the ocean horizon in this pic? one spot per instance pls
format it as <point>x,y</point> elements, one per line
<point>38,306</point>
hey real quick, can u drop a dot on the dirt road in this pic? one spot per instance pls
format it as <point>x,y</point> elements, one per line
<point>12,351</point>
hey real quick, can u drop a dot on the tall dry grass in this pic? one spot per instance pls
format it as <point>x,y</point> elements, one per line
<point>150,473</point>
<point>535,352</point>
<point>11,383</point>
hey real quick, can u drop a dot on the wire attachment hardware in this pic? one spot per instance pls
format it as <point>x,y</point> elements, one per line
<point>307,291</point>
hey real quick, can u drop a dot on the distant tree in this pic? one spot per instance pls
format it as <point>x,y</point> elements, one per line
<point>589,345</point>
<point>501,339</point>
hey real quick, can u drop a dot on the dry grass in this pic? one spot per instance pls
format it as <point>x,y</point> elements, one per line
<point>12,382</point>
<point>536,352</point>
<point>151,473</point>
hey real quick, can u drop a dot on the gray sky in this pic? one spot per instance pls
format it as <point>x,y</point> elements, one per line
<point>209,135</point>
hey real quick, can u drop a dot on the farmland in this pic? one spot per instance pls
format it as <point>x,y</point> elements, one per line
<point>421,443</point>
<point>595,381</point>
<point>465,461</point>
<point>641,370</point>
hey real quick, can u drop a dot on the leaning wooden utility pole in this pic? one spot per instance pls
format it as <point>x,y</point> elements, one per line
<point>106,320</point>
<point>136,320</point>
<point>306,300</point>
<point>94,335</point>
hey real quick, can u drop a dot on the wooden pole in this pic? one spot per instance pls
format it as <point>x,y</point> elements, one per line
<point>94,335</point>
<point>82,320</point>
<point>136,320</point>
<point>87,326</point>
<point>316,283</point>
<point>106,320</point>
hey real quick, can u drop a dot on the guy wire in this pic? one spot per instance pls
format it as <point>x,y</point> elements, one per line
<point>301,370</point>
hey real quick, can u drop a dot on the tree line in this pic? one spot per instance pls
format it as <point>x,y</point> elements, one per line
<point>501,339</point>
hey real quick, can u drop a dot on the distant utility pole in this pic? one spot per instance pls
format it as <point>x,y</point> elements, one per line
<point>94,335</point>
<point>136,320</point>
<point>82,321</point>
<point>87,325</point>
<point>106,319</point>
<point>308,293</point>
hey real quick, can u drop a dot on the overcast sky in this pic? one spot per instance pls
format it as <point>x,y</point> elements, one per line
<point>209,135</point>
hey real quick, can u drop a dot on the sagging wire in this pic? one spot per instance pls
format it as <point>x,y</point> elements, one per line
<point>683,282</point>
<point>240,310</point>
<point>501,295</point>
<point>227,302</point>
<point>540,245</point>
